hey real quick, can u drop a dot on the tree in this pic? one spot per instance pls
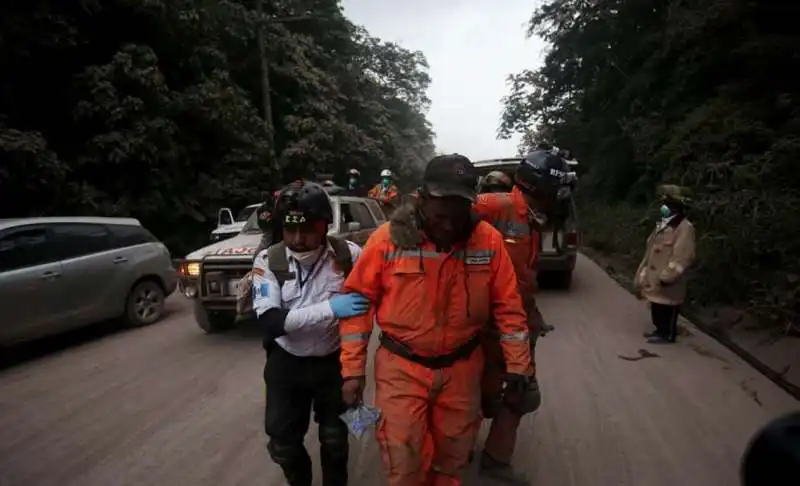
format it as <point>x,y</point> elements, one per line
<point>698,93</point>
<point>155,108</point>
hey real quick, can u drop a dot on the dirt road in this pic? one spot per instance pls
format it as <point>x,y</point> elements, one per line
<point>170,406</point>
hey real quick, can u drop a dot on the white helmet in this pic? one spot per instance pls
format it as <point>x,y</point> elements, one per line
<point>354,172</point>
<point>386,173</point>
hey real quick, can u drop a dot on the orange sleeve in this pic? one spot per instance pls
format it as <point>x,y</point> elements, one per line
<point>507,311</point>
<point>484,209</point>
<point>365,278</point>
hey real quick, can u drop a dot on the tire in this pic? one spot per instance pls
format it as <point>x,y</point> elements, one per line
<point>145,304</point>
<point>212,322</point>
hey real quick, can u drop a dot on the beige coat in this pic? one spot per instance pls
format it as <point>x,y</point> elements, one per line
<point>661,277</point>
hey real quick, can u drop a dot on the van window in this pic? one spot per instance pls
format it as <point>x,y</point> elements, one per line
<point>123,235</point>
<point>25,248</point>
<point>77,239</point>
<point>346,210</point>
<point>363,216</point>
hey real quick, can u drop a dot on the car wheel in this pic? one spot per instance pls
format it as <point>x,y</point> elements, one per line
<point>212,322</point>
<point>145,304</point>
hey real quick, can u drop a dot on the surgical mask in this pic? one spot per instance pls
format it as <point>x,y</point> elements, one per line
<point>386,182</point>
<point>666,212</point>
<point>306,258</point>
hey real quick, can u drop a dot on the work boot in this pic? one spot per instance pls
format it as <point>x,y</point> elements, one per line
<point>505,473</point>
<point>659,339</point>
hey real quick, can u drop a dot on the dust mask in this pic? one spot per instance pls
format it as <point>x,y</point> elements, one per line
<point>306,258</point>
<point>666,212</point>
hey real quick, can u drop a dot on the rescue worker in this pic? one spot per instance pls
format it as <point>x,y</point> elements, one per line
<point>670,252</point>
<point>516,216</point>
<point>496,181</point>
<point>385,192</point>
<point>355,187</point>
<point>434,290</point>
<point>297,303</point>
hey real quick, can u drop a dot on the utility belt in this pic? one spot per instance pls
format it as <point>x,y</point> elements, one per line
<point>432,362</point>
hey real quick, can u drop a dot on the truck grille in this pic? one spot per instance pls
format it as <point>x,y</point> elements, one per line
<point>217,279</point>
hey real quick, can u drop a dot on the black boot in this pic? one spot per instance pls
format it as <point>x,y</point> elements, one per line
<point>491,468</point>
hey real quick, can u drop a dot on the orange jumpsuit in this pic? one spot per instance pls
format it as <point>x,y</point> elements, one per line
<point>508,212</point>
<point>432,306</point>
<point>388,197</point>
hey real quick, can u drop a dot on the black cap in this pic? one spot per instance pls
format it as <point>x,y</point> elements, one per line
<point>450,175</point>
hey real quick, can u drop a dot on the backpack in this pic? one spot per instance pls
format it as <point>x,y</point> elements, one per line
<point>279,266</point>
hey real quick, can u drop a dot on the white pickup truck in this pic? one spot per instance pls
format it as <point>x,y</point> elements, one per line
<point>209,276</point>
<point>228,226</point>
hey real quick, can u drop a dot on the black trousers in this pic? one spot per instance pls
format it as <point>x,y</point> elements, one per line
<point>296,386</point>
<point>665,319</point>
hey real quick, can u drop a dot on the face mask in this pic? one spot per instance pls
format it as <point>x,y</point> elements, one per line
<point>353,182</point>
<point>386,182</point>
<point>306,258</point>
<point>665,211</point>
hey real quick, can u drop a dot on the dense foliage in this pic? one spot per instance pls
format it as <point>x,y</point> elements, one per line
<point>154,108</point>
<point>702,93</point>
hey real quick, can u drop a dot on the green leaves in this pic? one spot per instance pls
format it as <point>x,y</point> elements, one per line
<point>697,93</point>
<point>154,108</point>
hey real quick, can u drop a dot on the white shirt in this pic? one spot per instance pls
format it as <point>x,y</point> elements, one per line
<point>311,328</point>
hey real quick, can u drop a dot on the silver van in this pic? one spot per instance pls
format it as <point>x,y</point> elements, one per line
<point>58,274</point>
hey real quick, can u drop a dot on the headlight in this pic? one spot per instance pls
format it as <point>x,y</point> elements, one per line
<point>193,269</point>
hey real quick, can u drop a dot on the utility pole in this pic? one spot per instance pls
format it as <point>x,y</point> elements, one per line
<point>266,90</point>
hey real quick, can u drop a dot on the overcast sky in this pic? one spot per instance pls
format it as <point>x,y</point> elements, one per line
<point>471,46</point>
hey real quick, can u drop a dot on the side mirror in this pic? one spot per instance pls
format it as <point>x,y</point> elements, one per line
<point>353,226</point>
<point>224,216</point>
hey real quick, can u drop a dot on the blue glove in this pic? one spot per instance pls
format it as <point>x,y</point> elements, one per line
<point>349,305</point>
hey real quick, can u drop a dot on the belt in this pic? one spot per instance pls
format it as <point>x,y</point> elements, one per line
<point>433,362</point>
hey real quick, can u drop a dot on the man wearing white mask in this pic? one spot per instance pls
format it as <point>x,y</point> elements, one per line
<point>662,274</point>
<point>297,299</point>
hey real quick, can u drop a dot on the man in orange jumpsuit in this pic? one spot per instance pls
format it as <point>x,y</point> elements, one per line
<point>433,290</point>
<point>516,215</point>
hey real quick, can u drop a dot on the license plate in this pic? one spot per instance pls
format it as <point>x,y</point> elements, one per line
<point>233,287</point>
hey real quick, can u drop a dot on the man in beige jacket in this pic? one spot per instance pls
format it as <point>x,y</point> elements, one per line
<point>661,277</point>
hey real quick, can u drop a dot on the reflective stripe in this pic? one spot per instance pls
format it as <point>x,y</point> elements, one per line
<point>358,336</point>
<point>512,228</point>
<point>518,336</point>
<point>398,254</point>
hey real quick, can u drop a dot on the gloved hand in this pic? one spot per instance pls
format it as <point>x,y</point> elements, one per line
<point>353,390</point>
<point>349,305</point>
<point>522,394</point>
<point>515,383</point>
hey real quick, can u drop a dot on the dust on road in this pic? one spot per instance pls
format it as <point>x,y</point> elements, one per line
<point>168,405</point>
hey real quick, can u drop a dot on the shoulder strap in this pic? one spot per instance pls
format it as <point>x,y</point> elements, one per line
<point>342,255</point>
<point>278,263</point>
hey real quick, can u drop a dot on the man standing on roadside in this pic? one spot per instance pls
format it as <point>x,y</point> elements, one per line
<point>670,252</point>
<point>434,289</point>
<point>297,303</point>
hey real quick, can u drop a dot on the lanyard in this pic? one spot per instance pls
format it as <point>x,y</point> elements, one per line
<point>302,281</point>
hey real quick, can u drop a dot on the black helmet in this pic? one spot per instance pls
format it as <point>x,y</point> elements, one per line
<point>303,201</point>
<point>541,170</point>
<point>773,455</point>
